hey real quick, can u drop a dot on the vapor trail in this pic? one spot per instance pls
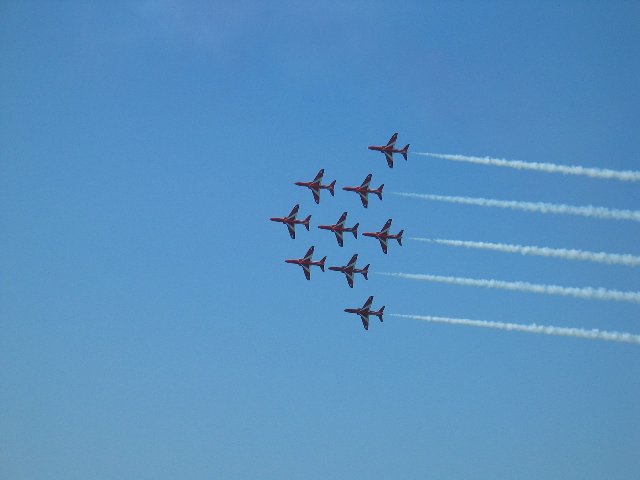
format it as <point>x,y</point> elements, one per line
<point>590,293</point>
<point>540,207</point>
<point>602,173</point>
<point>594,334</point>
<point>568,254</point>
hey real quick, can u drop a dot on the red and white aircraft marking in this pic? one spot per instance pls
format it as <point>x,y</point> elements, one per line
<point>290,221</point>
<point>350,270</point>
<point>315,186</point>
<point>339,228</point>
<point>364,191</point>
<point>365,311</point>
<point>384,235</point>
<point>389,149</point>
<point>306,262</point>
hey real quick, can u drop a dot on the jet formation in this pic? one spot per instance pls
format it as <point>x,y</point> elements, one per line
<point>339,228</point>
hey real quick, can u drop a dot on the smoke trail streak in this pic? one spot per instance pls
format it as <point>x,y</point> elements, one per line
<point>565,253</point>
<point>594,334</point>
<point>577,292</point>
<point>539,207</point>
<point>602,173</point>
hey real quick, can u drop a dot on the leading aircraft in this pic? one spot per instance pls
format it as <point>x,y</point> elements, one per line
<point>365,311</point>
<point>290,221</point>
<point>350,270</point>
<point>339,228</point>
<point>315,186</point>
<point>384,235</point>
<point>389,149</point>
<point>306,262</point>
<point>364,191</point>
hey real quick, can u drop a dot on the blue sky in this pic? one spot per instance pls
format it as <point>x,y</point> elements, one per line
<point>150,328</point>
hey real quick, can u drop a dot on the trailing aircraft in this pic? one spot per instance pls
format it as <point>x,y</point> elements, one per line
<point>389,149</point>
<point>316,185</point>
<point>339,228</point>
<point>290,221</point>
<point>306,262</point>
<point>365,311</point>
<point>384,235</point>
<point>364,191</point>
<point>350,270</point>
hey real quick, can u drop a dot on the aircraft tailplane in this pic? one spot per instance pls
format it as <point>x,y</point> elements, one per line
<point>306,222</point>
<point>365,272</point>
<point>322,263</point>
<point>400,237</point>
<point>379,313</point>
<point>404,151</point>
<point>331,186</point>
<point>378,192</point>
<point>354,230</point>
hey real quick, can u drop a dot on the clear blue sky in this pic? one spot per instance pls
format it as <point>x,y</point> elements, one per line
<point>149,327</point>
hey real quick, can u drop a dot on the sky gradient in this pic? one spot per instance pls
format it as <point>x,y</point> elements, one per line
<point>150,327</point>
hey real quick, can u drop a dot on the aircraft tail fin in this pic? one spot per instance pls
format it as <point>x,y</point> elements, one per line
<point>354,230</point>
<point>365,272</point>
<point>404,151</point>
<point>322,263</point>
<point>400,237</point>
<point>331,187</point>
<point>378,192</point>
<point>306,222</point>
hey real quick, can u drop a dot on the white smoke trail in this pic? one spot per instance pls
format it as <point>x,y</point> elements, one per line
<point>540,207</point>
<point>602,173</point>
<point>594,334</point>
<point>577,292</point>
<point>568,254</point>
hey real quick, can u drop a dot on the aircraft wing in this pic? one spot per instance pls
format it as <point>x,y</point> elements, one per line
<point>309,254</point>
<point>365,321</point>
<point>307,272</point>
<point>352,262</point>
<point>292,230</point>
<point>341,220</point>
<point>366,182</point>
<point>294,212</point>
<point>364,199</point>
<point>316,194</point>
<point>349,278</point>
<point>387,226</point>
<point>392,141</point>
<point>389,157</point>
<point>339,237</point>
<point>368,303</point>
<point>383,244</point>
<point>319,176</point>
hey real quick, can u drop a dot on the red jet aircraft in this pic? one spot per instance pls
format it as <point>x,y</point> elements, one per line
<point>364,191</point>
<point>315,186</point>
<point>384,235</point>
<point>339,228</point>
<point>350,269</point>
<point>365,311</point>
<point>389,149</point>
<point>306,262</point>
<point>290,221</point>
